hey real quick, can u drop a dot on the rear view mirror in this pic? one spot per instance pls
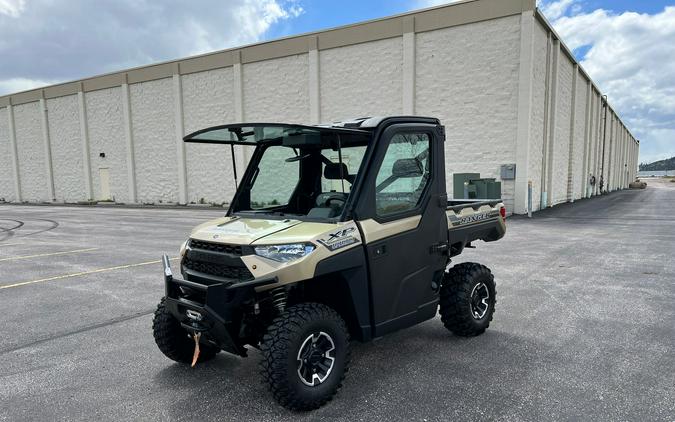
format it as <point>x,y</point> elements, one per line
<point>407,167</point>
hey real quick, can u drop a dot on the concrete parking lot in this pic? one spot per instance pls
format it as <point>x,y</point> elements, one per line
<point>584,327</point>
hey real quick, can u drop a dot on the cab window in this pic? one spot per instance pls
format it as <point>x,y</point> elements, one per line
<point>403,175</point>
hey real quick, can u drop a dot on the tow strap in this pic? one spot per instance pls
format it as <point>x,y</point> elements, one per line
<point>195,356</point>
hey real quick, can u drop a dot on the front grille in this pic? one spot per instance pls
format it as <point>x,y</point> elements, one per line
<point>217,247</point>
<point>226,271</point>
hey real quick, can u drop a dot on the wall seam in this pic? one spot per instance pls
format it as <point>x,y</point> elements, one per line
<point>49,167</point>
<point>555,74</point>
<point>570,148</point>
<point>129,137</point>
<point>525,89</point>
<point>84,133</point>
<point>408,77</point>
<point>180,132</point>
<point>15,152</point>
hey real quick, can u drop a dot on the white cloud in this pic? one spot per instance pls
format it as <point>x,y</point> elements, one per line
<point>12,8</point>
<point>421,4</point>
<point>632,58</point>
<point>555,9</point>
<point>59,40</point>
<point>21,84</point>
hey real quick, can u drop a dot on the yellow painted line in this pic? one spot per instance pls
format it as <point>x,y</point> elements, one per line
<point>100,270</point>
<point>14,258</point>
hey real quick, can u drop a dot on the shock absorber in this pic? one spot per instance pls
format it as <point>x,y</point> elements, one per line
<point>279,297</point>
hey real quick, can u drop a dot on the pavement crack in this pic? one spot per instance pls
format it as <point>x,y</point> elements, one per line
<point>77,331</point>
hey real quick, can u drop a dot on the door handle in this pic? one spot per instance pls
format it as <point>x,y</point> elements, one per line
<point>380,251</point>
<point>440,247</point>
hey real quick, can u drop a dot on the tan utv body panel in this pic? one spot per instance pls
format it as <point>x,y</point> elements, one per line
<point>329,239</point>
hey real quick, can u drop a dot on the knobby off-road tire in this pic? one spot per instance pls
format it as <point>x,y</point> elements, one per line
<point>292,348</point>
<point>468,297</point>
<point>174,341</point>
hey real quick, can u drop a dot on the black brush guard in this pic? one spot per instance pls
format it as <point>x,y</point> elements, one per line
<point>216,313</point>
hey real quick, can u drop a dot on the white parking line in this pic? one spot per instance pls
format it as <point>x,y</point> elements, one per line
<point>14,258</point>
<point>100,270</point>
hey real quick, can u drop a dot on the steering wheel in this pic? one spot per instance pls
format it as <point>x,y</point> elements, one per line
<point>340,198</point>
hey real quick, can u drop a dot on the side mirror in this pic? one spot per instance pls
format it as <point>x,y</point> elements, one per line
<point>407,167</point>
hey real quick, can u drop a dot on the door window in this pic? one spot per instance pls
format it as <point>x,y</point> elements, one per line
<point>403,175</point>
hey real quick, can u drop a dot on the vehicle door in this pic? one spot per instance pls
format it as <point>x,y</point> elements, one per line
<point>402,217</point>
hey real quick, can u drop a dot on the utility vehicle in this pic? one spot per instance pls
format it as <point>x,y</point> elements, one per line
<point>334,233</point>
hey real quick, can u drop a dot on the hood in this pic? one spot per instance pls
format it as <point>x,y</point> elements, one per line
<point>239,231</point>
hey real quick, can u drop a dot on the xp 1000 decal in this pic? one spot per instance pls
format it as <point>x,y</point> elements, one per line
<point>341,237</point>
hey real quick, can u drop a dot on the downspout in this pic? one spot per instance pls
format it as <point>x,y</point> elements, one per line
<point>604,138</point>
<point>544,152</point>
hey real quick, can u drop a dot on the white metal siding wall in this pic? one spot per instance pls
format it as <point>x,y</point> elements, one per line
<point>468,77</point>
<point>567,132</point>
<point>361,80</point>
<point>277,90</point>
<point>561,142</point>
<point>30,148</point>
<point>66,148</point>
<point>576,170</point>
<point>6,165</point>
<point>538,113</point>
<point>152,122</point>
<point>106,135</point>
<point>208,101</point>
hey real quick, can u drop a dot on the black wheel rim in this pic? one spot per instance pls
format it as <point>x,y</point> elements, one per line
<point>316,359</point>
<point>480,301</point>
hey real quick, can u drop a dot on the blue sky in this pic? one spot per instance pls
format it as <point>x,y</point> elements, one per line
<point>628,47</point>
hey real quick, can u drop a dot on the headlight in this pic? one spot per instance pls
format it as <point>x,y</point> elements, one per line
<point>285,253</point>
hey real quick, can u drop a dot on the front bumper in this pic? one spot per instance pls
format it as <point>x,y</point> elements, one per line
<point>215,309</point>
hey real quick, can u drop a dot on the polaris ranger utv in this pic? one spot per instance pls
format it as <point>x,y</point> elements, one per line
<point>335,233</point>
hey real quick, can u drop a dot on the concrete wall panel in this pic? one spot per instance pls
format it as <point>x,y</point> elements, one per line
<point>361,80</point>
<point>579,137</point>
<point>562,139</point>
<point>66,147</point>
<point>106,135</point>
<point>537,118</point>
<point>208,100</point>
<point>6,173</point>
<point>31,151</point>
<point>468,77</point>
<point>277,90</point>
<point>152,122</point>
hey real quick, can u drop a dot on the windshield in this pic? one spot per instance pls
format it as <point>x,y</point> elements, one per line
<point>311,181</point>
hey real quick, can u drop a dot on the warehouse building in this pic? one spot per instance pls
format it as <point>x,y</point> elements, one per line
<point>516,106</point>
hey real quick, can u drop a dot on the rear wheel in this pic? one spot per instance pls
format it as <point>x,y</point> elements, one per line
<point>468,297</point>
<point>305,356</point>
<point>174,341</point>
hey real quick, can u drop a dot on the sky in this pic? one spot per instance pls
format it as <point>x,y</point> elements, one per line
<point>627,47</point>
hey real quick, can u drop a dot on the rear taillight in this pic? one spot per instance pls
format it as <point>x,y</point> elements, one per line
<point>502,212</point>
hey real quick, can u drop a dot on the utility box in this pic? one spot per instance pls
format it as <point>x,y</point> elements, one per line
<point>458,180</point>
<point>487,188</point>
<point>508,171</point>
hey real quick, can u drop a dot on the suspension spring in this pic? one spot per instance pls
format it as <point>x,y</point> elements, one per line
<point>279,297</point>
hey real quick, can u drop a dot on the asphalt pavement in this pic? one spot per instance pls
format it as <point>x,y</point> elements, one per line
<point>584,327</point>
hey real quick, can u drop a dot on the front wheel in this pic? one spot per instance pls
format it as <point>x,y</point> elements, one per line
<point>468,297</point>
<point>173,340</point>
<point>305,356</point>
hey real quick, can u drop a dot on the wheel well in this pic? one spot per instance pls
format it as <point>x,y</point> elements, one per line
<point>333,290</point>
